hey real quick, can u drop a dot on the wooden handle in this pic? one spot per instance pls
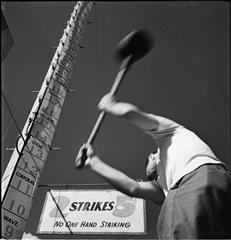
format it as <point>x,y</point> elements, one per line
<point>119,77</point>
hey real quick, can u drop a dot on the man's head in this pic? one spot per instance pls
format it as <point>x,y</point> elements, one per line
<point>151,166</point>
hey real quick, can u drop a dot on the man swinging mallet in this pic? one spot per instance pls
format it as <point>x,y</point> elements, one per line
<point>185,176</point>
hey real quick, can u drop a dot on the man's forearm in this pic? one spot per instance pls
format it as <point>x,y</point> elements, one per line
<point>133,114</point>
<point>116,178</point>
<point>129,112</point>
<point>121,109</point>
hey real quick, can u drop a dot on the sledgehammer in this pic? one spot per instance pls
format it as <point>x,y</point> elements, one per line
<point>129,50</point>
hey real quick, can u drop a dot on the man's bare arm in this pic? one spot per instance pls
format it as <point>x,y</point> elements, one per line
<point>130,112</point>
<point>125,184</point>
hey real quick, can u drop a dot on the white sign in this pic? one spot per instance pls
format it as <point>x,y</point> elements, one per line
<point>95,211</point>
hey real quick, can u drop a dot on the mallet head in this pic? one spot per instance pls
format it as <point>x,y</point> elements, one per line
<point>137,43</point>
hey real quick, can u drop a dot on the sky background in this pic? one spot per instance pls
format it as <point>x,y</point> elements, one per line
<point>186,77</point>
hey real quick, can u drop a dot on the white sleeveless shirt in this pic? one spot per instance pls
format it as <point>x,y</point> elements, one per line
<point>180,152</point>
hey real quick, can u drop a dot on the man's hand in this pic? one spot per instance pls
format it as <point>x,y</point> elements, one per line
<point>130,112</point>
<point>84,157</point>
<point>107,103</point>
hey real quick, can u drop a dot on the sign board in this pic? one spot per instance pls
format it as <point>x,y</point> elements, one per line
<point>95,211</point>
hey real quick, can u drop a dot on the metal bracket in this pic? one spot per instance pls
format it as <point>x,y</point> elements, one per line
<point>55,148</point>
<point>71,90</point>
<point>10,149</point>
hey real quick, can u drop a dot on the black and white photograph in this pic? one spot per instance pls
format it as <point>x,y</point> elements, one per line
<point>115,120</point>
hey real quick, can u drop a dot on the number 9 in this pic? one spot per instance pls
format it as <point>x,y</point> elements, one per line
<point>9,231</point>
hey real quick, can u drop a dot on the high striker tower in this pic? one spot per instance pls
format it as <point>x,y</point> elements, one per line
<point>21,177</point>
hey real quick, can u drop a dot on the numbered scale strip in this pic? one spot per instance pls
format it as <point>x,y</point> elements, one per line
<point>21,177</point>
